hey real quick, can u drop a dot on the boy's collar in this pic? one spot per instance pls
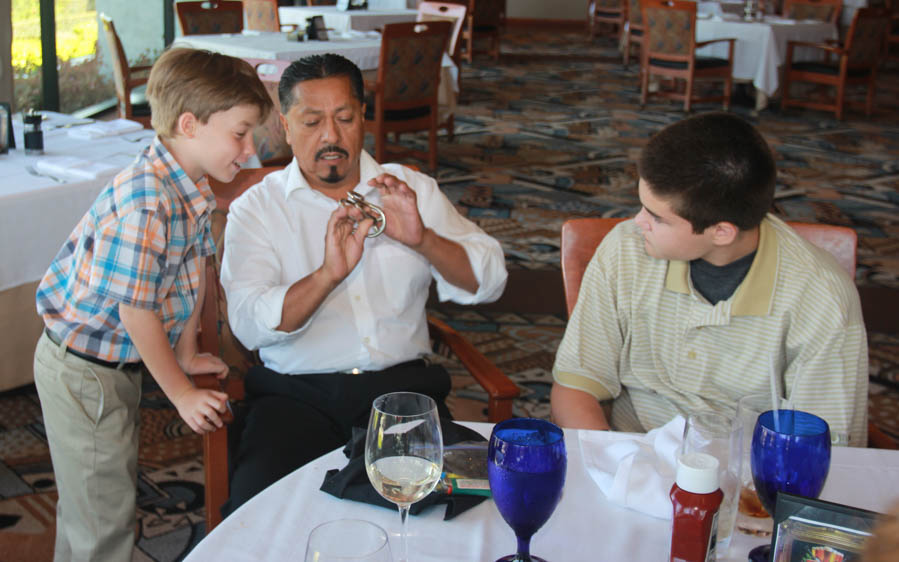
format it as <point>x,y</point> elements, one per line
<point>755,294</point>
<point>197,196</point>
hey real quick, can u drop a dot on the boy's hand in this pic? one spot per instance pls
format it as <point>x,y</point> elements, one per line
<point>202,363</point>
<point>200,408</point>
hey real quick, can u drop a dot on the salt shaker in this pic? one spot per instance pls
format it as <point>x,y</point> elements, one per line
<point>34,136</point>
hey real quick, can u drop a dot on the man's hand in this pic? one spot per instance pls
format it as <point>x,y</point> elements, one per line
<point>401,210</point>
<point>200,408</point>
<point>344,242</point>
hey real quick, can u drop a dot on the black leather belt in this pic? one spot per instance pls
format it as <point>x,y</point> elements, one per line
<point>417,363</point>
<point>94,360</point>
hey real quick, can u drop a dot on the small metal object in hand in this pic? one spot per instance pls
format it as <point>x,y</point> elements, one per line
<point>369,210</point>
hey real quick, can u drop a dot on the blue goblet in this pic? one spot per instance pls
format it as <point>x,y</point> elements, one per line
<point>526,464</point>
<point>790,453</point>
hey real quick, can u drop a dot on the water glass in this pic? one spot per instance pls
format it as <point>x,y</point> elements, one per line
<point>752,519</point>
<point>346,540</point>
<point>720,436</point>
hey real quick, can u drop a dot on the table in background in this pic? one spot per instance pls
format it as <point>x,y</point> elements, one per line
<point>344,20</point>
<point>37,214</point>
<point>585,527</point>
<point>761,47</point>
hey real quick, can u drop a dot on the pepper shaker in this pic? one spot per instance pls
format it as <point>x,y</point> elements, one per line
<point>34,136</point>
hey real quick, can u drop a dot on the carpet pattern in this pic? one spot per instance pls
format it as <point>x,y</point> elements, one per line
<point>551,132</point>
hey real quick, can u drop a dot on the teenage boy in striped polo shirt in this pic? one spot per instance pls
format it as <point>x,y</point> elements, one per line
<point>705,297</point>
<point>124,293</point>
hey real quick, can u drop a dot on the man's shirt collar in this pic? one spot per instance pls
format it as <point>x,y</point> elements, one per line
<point>368,168</point>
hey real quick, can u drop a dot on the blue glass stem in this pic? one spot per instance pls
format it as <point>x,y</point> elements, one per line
<point>524,549</point>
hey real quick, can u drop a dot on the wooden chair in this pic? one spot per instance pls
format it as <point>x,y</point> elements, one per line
<point>215,337</point>
<point>262,15</point>
<point>612,12</point>
<point>455,14</point>
<point>635,32</point>
<point>821,10</point>
<point>203,18</point>
<point>856,64</point>
<point>581,237</point>
<point>269,137</point>
<point>891,49</point>
<point>669,50</point>
<point>127,78</point>
<point>485,20</point>
<point>404,98</point>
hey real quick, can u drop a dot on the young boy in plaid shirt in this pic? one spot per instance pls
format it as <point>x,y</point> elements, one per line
<point>125,292</point>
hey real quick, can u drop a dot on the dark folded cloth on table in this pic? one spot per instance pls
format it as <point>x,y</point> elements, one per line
<point>351,482</point>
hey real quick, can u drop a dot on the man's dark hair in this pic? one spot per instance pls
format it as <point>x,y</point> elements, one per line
<point>712,167</point>
<point>315,67</point>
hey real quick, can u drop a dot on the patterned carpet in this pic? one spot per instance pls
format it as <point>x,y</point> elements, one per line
<point>550,133</point>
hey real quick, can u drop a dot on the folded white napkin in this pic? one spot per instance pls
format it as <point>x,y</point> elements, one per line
<point>635,471</point>
<point>71,167</point>
<point>105,129</point>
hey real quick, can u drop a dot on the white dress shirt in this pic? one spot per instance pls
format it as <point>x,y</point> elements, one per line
<point>375,318</point>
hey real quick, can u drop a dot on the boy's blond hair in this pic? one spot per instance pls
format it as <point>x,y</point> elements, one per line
<point>202,83</point>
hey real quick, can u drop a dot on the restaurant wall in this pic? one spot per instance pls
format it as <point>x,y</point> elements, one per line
<point>6,50</point>
<point>544,9</point>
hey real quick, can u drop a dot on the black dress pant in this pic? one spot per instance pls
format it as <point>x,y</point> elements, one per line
<point>293,419</point>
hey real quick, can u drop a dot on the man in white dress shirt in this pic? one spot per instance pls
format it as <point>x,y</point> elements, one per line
<point>338,318</point>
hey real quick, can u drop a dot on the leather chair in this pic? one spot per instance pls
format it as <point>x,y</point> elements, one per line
<point>669,50</point>
<point>581,237</point>
<point>612,12</point>
<point>821,10</point>
<point>856,64</point>
<point>262,15</point>
<point>215,337</point>
<point>269,137</point>
<point>127,78</point>
<point>203,18</point>
<point>404,98</point>
<point>455,14</point>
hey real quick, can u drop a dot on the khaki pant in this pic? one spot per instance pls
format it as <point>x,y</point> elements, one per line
<point>91,419</point>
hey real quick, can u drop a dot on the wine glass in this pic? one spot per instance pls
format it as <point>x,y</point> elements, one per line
<point>526,463</point>
<point>790,453</point>
<point>345,540</point>
<point>404,451</point>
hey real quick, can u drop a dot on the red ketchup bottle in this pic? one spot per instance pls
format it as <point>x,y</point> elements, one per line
<point>696,498</point>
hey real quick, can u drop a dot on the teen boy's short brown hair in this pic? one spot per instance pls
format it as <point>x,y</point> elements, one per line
<point>202,83</point>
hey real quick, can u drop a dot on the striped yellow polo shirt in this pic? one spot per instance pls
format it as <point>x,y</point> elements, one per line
<point>642,335</point>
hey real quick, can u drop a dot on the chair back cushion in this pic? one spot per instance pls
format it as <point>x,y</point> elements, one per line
<point>444,11</point>
<point>821,10</point>
<point>203,18</point>
<point>409,68</point>
<point>866,37</point>
<point>261,15</point>
<point>670,28</point>
<point>269,137</point>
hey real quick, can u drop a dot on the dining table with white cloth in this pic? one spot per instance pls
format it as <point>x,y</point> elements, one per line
<point>760,49</point>
<point>42,198</point>
<point>345,20</point>
<point>586,526</point>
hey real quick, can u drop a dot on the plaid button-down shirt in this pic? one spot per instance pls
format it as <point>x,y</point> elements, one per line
<point>142,244</point>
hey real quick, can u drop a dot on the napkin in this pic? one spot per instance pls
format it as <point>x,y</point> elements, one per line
<point>101,129</point>
<point>351,482</point>
<point>635,471</point>
<point>71,167</point>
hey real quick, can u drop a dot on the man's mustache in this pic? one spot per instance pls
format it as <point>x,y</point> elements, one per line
<point>331,148</point>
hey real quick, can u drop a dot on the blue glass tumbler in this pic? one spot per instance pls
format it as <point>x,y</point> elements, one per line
<point>526,466</point>
<point>790,453</point>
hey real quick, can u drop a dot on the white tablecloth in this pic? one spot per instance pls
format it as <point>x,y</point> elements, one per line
<point>344,20</point>
<point>761,47</point>
<point>585,527</point>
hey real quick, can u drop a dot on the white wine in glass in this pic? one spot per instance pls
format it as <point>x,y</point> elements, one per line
<point>404,451</point>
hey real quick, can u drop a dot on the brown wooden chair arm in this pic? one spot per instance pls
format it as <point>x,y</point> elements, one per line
<point>700,44</point>
<point>135,82</point>
<point>501,391</point>
<point>880,440</point>
<point>144,68</point>
<point>823,46</point>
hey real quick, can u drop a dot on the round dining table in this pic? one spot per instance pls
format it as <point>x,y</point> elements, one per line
<point>585,526</point>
